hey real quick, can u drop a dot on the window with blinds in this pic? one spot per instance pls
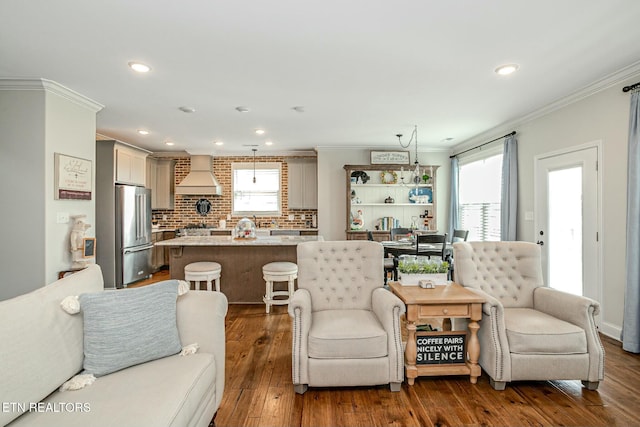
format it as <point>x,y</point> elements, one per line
<point>480,185</point>
<point>261,197</point>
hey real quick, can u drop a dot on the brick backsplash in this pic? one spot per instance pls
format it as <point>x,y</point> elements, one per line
<point>184,212</point>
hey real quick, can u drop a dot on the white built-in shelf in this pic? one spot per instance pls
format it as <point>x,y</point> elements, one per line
<point>408,186</point>
<point>385,184</point>
<point>391,204</point>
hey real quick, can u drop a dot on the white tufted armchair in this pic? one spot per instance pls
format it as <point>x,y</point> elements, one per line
<point>528,331</point>
<point>346,326</point>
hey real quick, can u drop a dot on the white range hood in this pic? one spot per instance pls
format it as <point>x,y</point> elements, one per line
<point>201,180</point>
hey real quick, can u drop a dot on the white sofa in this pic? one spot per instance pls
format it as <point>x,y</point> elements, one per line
<point>42,347</point>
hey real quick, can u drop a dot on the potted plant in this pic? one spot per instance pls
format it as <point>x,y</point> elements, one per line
<point>412,269</point>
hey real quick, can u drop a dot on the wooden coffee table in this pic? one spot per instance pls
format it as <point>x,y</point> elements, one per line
<point>444,302</point>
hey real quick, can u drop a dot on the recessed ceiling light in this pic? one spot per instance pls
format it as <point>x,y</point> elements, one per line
<point>268,143</point>
<point>139,67</point>
<point>185,109</point>
<point>507,69</point>
<point>447,139</point>
<point>259,131</point>
<point>299,109</point>
<point>143,132</point>
<point>169,143</point>
<point>242,109</point>
<point>219,143</point>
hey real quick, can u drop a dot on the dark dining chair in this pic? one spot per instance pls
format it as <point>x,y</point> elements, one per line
<point>436,239</point>
<point>390,264</point>
<point>459,236</point>
<point>400,231</point>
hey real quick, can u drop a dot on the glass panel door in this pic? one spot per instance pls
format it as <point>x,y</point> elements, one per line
<point>565,229</point>
<point>567,220</point>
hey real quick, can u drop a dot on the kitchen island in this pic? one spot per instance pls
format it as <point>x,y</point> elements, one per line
<point>241,260</point>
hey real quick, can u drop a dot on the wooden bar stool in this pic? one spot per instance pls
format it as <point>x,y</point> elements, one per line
<point>278,272</point>
<point>203,271</point>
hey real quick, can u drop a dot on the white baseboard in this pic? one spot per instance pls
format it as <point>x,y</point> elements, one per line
<point>612,331</point>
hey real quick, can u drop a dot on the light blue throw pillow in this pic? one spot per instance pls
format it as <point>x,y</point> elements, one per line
<point>126,327</point>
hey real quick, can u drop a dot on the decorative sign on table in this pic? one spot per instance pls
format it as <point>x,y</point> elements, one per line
<point>72,178</point>
<point>389,157</point>
<point>441,348</point>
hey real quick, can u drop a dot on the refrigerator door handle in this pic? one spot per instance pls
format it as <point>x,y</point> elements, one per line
<point>137,249</point>
<point>141,215</point>
<point>138,216</point>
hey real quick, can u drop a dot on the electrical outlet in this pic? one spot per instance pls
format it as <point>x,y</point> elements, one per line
<point>302,217</point>
<point>164,217</point>
<point>292,217</point>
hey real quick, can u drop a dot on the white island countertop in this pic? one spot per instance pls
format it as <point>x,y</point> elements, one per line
<point>230,241</point>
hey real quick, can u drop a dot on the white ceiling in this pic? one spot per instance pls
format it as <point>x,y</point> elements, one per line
<point>364,70</point>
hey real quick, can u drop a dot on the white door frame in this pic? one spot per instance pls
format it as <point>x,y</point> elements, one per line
<point>594,144</point>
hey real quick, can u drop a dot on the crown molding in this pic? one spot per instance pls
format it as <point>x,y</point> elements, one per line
<point>613,79</point>
<point>382,148</point>
<point>51,87</point>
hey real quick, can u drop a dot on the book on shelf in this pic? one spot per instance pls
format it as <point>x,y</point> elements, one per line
<point>386,223</point>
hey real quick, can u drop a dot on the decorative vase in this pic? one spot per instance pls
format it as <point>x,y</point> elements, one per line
<point>358,221</point>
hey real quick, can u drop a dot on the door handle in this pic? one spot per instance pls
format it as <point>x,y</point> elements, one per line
<point>138,249</point>
<point>540,242</point>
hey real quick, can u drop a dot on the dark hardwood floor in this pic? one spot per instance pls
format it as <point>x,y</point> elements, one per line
<point>259,392</point>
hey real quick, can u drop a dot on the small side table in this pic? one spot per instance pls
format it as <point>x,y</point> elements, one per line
<point>442,302</point>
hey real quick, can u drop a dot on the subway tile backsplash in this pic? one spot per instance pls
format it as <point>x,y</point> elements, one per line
<point>185,213</point>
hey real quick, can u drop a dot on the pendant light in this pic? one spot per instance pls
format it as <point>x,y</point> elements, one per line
<point>416,171</point>
<point>254,164</point>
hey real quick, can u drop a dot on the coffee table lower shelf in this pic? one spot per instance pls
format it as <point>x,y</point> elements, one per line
<point>444,302</point>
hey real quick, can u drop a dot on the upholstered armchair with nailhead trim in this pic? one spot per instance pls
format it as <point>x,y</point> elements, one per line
<point>346,326</point>
<point>528,330</point>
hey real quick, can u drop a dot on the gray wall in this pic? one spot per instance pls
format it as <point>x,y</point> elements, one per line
<point>37,119</point>
<point>22,253</point>
<point>600,116</point>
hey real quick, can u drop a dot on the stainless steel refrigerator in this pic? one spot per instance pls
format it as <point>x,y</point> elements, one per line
<point>124,236</point>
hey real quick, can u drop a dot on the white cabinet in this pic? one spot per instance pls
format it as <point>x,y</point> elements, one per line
<point>303,184</point>
<point>161,181</point>
<point>152,167</point>
<point>130,165</point>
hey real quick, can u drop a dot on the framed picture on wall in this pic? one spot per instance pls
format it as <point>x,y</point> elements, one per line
<point>73,178</point>
<point>89,247</point>
<point>389,157</point>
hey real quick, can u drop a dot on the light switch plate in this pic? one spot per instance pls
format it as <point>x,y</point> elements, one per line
<point>528,216</point>
<point>62,217</point>
<point>302,217</point>
<point>292,217</point>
